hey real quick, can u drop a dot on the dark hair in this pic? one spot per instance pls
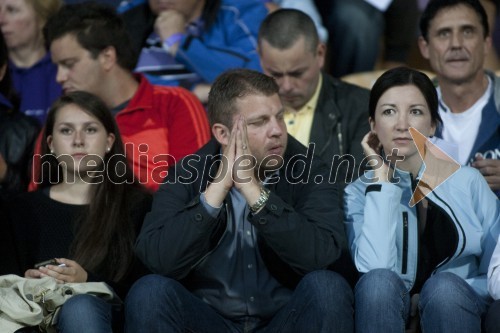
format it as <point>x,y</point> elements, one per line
<point>402,76</point>
<point>6,88</point>
<point>95,27</point>
<point>105,235</point>
<point>234,84</point>
<point>284,27</point>
<point>434,6</point>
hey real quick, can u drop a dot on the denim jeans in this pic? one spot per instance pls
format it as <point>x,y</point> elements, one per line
<point>446,304</point>
<point>89,314</point>
<point>322,302</point>
<point>449,304</point>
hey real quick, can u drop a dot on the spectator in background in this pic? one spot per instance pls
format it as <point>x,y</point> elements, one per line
<point>189,43</point>
<point>319,109</point>
<point>33,73</point>
<point>357,28</point>
<point>455,39</point>
<point>87,213</point>
<point>17,135</point>
<point>159,125</point>
<point>307,6</point>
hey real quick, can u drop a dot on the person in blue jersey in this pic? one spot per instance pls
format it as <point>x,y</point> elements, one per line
<point>189,43</point>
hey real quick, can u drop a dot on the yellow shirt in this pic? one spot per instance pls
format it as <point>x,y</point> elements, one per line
<point>299,123</point>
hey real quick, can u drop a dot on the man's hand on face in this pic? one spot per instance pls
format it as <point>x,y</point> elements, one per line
<point>244,172</point>
<point>490,169</point>
<point>237,168</point>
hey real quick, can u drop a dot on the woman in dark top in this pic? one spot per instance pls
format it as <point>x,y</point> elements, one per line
<point>86,214</point>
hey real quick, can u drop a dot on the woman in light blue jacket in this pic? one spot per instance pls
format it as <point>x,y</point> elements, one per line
<point>437,243</point>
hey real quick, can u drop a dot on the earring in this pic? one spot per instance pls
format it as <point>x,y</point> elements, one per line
<point>52,151</point>
<point>108,149</point>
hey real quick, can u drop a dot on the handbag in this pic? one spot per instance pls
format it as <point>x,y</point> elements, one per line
<point>36,302</point>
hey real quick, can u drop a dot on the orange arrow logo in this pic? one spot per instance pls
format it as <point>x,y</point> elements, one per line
<point>438,166</point>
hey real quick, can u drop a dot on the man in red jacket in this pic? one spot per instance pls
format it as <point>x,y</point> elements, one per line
<point>159,125</point>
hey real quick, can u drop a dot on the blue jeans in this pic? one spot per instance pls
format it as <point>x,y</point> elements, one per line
<point>382,303</point>
<point>447,304</point>
<point>322,302</point>
<point>86,313</point>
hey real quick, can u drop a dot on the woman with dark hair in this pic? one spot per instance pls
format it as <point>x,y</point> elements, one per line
<point>86,214</point>
<point>434,238</point>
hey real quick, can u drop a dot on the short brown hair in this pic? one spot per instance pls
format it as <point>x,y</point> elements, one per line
<point>234,84</point>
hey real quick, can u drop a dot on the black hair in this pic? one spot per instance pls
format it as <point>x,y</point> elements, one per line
<point>402,76</point>
<point>434,6</point>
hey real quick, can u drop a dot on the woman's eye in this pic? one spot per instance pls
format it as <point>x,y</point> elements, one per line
<point>416,112</point>
<point>65,130</point>
<point>91,130</point>
<point>388,111</point>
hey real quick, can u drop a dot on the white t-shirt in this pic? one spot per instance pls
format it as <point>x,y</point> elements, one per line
<point>461,129</point>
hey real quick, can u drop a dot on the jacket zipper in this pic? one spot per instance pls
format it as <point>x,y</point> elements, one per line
<point>405,243</point>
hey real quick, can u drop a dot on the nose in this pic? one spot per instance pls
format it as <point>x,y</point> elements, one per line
<point>402,124</point>
<point>78,139</point>
<point>456,40</point>
<point>277,127</point>
<point>285,84</point>
<point>62,75</point>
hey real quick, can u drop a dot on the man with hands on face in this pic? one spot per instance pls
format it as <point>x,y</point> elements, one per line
<point>236,234</point>
<point>189,43</point>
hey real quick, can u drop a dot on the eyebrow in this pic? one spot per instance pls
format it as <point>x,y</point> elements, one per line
<point>66,123</point>
<point>258,117</point>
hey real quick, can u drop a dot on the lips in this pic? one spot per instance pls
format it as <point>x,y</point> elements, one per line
<point>276,150</point>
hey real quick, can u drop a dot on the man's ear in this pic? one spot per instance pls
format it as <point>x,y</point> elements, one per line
<point>107,57</point>
<point>221,133</point>
<point>424,47</point>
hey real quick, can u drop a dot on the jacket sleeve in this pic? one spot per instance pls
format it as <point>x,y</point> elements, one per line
<point>371,219</point>
<point>308,235</point>
<point>178,231</point>
<point>232,43</point>
<point>185,121</point>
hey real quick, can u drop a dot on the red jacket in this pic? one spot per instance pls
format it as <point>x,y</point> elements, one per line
<point>159,126</point>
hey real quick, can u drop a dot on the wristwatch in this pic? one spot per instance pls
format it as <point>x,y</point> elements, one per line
<point>264,196</point>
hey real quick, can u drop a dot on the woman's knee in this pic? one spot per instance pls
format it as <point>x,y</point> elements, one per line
<point>84,310</point>
<point>379,286</point>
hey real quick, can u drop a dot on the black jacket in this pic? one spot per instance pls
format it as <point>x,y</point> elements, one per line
<point>300,229</point>
<point>18,133</point>
<point>340,120</point>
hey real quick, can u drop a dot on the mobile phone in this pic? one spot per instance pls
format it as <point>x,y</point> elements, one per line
<point>48,262</point>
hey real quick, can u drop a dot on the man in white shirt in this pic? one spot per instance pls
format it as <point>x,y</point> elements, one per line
<point>455,39</point>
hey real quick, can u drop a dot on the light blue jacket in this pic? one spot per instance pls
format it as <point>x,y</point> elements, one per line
<point>382,229</point>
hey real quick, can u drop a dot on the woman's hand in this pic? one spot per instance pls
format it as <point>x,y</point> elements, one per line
<point>67,271</point>
<point>33,274</point>
<point>373,149</point>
